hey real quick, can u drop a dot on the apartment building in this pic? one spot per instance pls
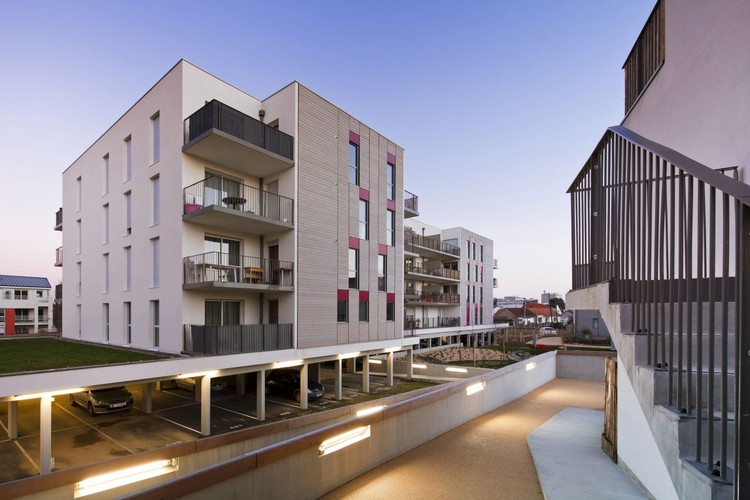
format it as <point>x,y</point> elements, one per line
<point>25,305</point>
<point>659,243</point>
<point>448,285</point>
<point>206,221</point>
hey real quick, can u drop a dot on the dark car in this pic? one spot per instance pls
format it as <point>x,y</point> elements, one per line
<point>108,400</point>
<point>287,382</point>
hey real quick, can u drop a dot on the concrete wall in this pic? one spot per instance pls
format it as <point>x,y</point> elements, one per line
<point>582,365</point>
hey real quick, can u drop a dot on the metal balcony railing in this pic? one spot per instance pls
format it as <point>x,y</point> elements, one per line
<point>433,269</point>
<point>435,297</point>
<point>235,339</point>
<point>411,201</point>
<point>646,57</point>
<point>672,238</point>
<point>411,323</point>
<point>413,240</point>
<point>58,256</point>
<point>231,194</point>
<point>59,219</point>
<point>216,115</point>
<point>232,268</point>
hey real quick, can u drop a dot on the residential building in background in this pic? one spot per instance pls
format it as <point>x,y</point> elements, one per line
<point>25,305</point>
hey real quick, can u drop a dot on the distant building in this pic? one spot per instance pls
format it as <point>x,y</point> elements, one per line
<point>24,305</point>
<point>511,301</point>
<point>547,296</point>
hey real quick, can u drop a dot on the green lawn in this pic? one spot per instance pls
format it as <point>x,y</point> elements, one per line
<point>23,355</point>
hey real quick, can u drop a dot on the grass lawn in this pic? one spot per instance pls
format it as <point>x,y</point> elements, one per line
<point>23,355</point>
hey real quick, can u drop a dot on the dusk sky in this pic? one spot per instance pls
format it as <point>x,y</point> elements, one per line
<point>497,104</point>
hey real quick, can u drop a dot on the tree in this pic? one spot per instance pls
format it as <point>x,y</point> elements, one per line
<point>557,302</point>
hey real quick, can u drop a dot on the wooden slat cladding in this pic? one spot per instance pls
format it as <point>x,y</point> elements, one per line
<point>645,58</point>
<point>329,215</point>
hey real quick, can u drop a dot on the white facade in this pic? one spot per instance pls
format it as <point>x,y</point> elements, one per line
<point>28,301</point>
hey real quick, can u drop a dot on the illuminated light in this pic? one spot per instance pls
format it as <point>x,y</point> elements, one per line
<point>419,366</point>
<point>122,477</point>
<point>530,366</point>
<point>376,361</point>
<point>286,364</point>
<point>475,388</point>
<point>349,355</point>
<point>46,395</point>
<point>343,440</point>
<point>393,349</point>
<point>370,411</point>
<point>199,374</point>
<point>456,370</point>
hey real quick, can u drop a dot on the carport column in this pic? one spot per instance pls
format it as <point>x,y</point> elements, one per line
<point>366,373</point>
<point>260,395</point>
<point>146,398</point>
<point>12,419</point>
<point>410,364</point>
<point>303,387</point>
<point>389,370</point>
<point>45,434</point>
<point>205,395</point>
<point>337,379</point>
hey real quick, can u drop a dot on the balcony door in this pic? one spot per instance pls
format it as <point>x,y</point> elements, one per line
<point>216,188</point>
<point>272,200</point>
<point>222,312</point>
<point>226,249</point>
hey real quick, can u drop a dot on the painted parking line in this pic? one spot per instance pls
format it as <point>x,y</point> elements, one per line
<point>97,430</point>
<point>28,457</point>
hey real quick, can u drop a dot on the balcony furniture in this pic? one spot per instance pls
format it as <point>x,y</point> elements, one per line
<point>235,202</point>
<point>191,207</point>
<point>254,275</point>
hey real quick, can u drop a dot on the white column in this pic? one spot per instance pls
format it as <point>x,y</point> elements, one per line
<point>303,387</point>
<point>366,373</point>
<point>45,434</point>
<point>240,383</point>
<point>389,370</point>
<point>146,398</point>
<point>203,387</point>
<point>337,381</point>
<point>12,419</point>
<point>260,395</point>
<point>410,364</point>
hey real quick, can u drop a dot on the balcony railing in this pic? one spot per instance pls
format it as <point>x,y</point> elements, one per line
<point>671,237</point>
<point>412,240</point>
<point>411,323</point>
<point>232,268</point>
<point>411,202</point>
<point>431,269</point>
<point>435,297</point>
<point>226,193</point>
<point>58,220</point>
<point>236,339</point>
<point>646,57</point>
<point>59,257</point>
<point>219,116</point>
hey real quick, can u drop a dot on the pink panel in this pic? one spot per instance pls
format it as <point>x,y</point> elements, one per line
<point>364,194</point>
<point>353,242</point>
<point>354,137</point>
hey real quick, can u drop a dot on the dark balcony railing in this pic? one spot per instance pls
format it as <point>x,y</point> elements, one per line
<point>411,201</point>
<point>58,220</point>
<point>58,256</point>
<point>672,238</point>
<point>435,297</point>
<point>236,339</point>
<point>230,268</point>
<point>216,115</point>
<point>410,323</point>
<point>226,193</point>
<point>413,240</point>
<point>646,57</point>
<point>433,269</point>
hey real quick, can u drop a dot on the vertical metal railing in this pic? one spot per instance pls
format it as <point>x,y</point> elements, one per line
<point>671,237</point>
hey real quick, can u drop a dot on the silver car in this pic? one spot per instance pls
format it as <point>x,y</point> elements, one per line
<point>108,400</point>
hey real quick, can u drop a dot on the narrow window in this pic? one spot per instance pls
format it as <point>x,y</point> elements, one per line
<point>78,236</point>
<point>105,175</point>
<point>155,139</point>
<point>127,322</point>
<point>353,268</point>
<point>481,252</point>
<point>155,322</point>
<point>106,273</point>
<point>364,309</point>
<point>105,314</point>
<point>382,262</point>
<point>476,273</point>
<point>128,213</point>
<point>155,262</point>
<point>78,194</point>
<point>474,251</point>
<point>155,201</point>
<point>105,229</point>
<point>390,233</point>
<point>78,275</point>
<point>342,306</point>
<point>390,311</point>
<point>78,319</point>
<point>128,153</point>
<point>128,274</point>
<point>363,220</point>
<point>354,164</point>
<point>390,179</point>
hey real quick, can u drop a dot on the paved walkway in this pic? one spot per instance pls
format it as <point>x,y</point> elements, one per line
<point>486,458</point>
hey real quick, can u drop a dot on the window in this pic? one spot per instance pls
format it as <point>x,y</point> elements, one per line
<point>468,293</point>
<point>78,236</point>
<point>390,307</point>
<point>363,220</point>
<point>106,273</point>
<point>227,251</point>
<point>78,319</point>
<point>155,322</point>
<point>476,273</point>
<point>364,309</point>
<point>354,163</point>
<point>21,294</point>
<point>105,229</point>
<point>128,154</point>
<point>353,268</point>
<point>78,276</point>
<point>128,264</point>
<point>155,262</point>
<point>127,322</point>
<point>155,201</point>
<point>474,251</point>
<point>40,294</point>
<point>390,223</point>
<point>390,181</point>
<point>382,262</point>
<point>105,175</point>
<point>128,213</point>
<point>595,323</point>
<point>342,306</point>
<point>155,139</point>
<point>481,252</point>
<point>78,194</point>
<point>222,312</point>
<point>105,317</point>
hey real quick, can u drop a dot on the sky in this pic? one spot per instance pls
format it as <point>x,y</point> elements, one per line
<point>497,104</point>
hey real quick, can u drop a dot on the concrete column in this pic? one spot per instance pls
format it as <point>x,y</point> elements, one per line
<point>337,381</point>
<point>389,370</point>
<point>240,381</point>
<point>303,387</point>
<point>366,373</point>
<point>45,434</point>
<point>12,419</point>
<point>260,395</point>
<point>410,364</point>
<point>351,365</point>
<point>146,397</point>
<point>159,385</point>
<point>313,372</point>
<point>203,387</point>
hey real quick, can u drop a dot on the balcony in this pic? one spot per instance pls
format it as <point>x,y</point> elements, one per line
<point>432,272</point>
<point>433,299</point>
<point>59,257</point>
<point>215,270</point>
<point>430,246</point>
<point>411,205</point>
<point>411,323</point>
<point>58,220</point>
<point>228,137</point>
<point>227,204</point>
<point>236,339</point>
<point>645,58</point>
<point>494,263</point>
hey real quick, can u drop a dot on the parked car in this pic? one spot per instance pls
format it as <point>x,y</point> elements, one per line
<point>546,331</point>
<point>217,385</point>
<point>108,400</point>
<point>286,383</point>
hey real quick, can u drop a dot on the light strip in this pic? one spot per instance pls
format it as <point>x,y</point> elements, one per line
<point>370,411</point>
<point>122,477</point>
<point>24,397</point>
<point>199,374</point>
<point>343,440</point>
<point>475,388</point>
<point>349,355</point>
<point>375,362</point>
<point>419,366</point>
<point>286,364</point>
<point>393,349</point>
<point>456,370</point>
<point>530,366</point>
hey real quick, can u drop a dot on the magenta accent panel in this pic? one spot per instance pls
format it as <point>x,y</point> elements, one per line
<point>391,158</point>
<point>391,204</point>
<point>354,137</point>
<point>364,194</point>
<point>364,296</point>
<point>343,294</point>
<point>390,298</point>
<point>353,242</point>
<point>382,249</point>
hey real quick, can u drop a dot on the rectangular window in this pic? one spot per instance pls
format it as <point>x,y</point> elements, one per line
<point>127,322</point>
<point>364,310</point>
<point>390,311</point>
<point>128,273</point>
<point>155,139</point>
<point>155,262</point>
<point>155,201</point>
<point>155,322</point>
<point>106,273</point>
<point>78,275</point>
<point>23,294</point>
<point>353,268</point>
<point>390,181</point>
<point>382,263</point>
<point>474,251</point>
<point>476,273</point>
<point>354,164</point>
<point>105,228</point>
<point>78,236</point>
<point>390,227</point>
<point>342,306</point>
<point>128,154</point>
<point>481,252</point>
<point>128,213</point>
<point>78,320</point>
<point>78,194</point>
<point>364,230</point>
<point>468,293</point>
<point>105,314</point>
<point>105,175</point>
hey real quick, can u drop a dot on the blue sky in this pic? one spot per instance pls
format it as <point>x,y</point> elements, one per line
<point>497,103</point>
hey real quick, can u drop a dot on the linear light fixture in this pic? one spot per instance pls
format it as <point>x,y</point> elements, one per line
<point>343,440</point>
<point>349,355</point>
<point>370,411</point>
<point>475,388</point>
<point>104,482</point>
<point>199,374</point>
<point>419,366</point>
<point>456,370</point>
<point>393,349</point>
<point>287,364</point>
<point>376,361</point>
<point>530,366</point>
<point>50,394</point>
